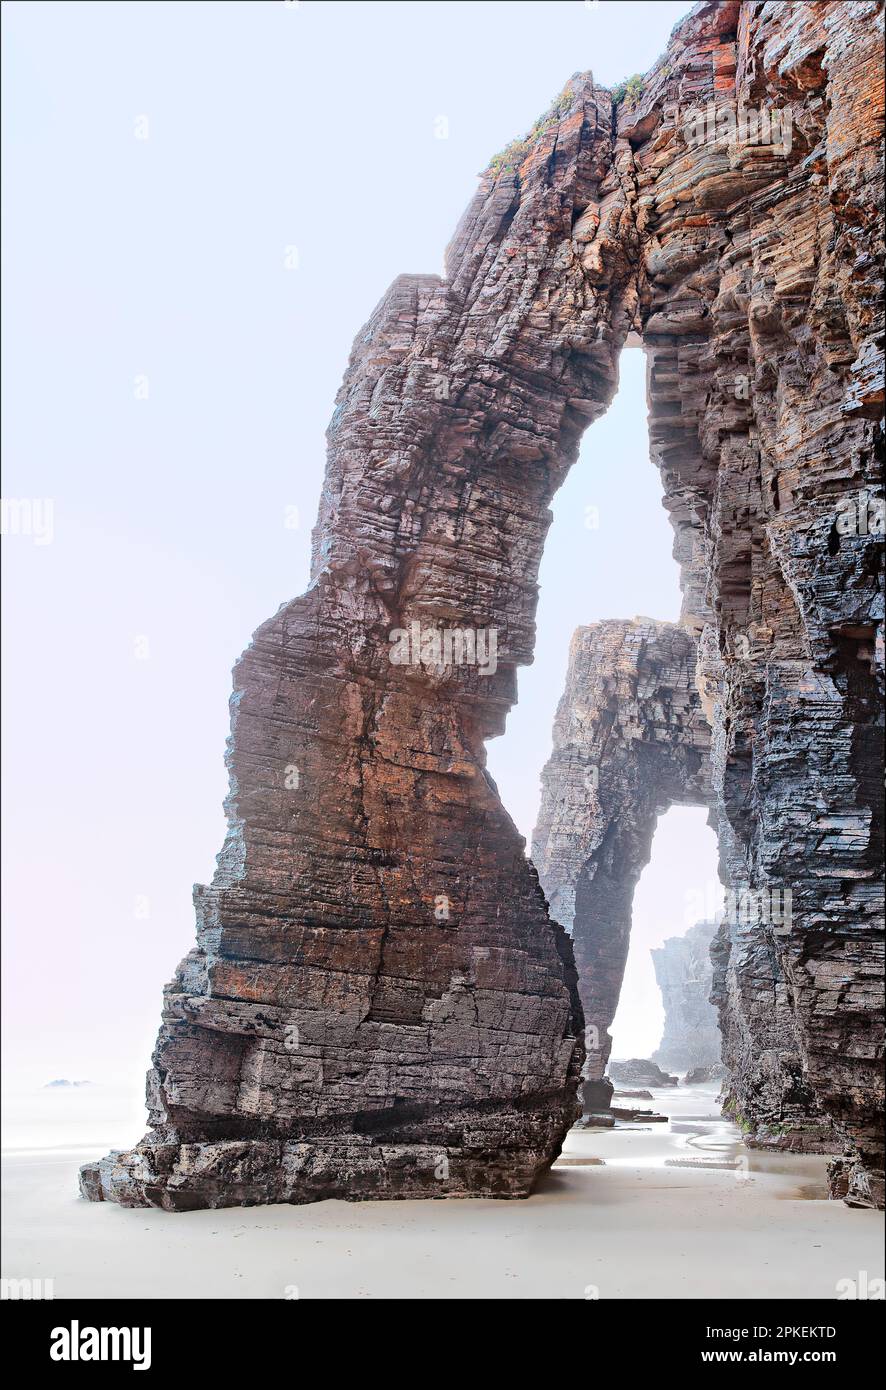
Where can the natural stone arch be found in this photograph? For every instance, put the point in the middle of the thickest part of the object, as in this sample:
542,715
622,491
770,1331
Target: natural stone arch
434,1053
630,741
331,1034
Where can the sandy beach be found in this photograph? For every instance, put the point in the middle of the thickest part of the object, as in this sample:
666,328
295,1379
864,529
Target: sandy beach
676,1210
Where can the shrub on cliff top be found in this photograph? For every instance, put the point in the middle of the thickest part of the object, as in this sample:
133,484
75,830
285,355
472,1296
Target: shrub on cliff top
509,159
628,91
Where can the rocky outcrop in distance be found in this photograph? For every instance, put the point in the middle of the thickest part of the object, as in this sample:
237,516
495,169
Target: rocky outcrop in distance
378,1002
684,972
700,1076
639,1071
630,740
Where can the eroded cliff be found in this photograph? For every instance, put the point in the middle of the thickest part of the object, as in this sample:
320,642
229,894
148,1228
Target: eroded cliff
378,1003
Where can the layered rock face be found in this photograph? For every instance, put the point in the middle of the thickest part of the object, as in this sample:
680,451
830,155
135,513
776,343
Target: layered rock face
684,972
792,538
630,740
760,225
767,1089
378,1003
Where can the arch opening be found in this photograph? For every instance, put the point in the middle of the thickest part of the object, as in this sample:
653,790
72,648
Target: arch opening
677,890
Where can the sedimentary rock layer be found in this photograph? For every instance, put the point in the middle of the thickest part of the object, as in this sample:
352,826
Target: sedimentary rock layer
378,1002
763,328
792,656
767,1089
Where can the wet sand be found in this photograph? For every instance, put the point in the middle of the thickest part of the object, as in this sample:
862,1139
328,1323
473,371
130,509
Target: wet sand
666,1211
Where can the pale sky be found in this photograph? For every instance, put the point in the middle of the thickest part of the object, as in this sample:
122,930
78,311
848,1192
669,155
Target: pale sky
168,382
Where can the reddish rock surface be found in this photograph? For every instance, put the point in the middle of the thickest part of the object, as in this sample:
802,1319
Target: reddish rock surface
333,1033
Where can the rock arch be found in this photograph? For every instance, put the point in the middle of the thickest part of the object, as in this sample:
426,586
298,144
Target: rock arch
332,1033
630,740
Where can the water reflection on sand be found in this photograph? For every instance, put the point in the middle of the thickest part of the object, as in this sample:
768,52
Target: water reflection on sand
697,1136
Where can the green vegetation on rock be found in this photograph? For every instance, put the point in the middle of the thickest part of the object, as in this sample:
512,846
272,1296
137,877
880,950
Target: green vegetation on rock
628,91
512,156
